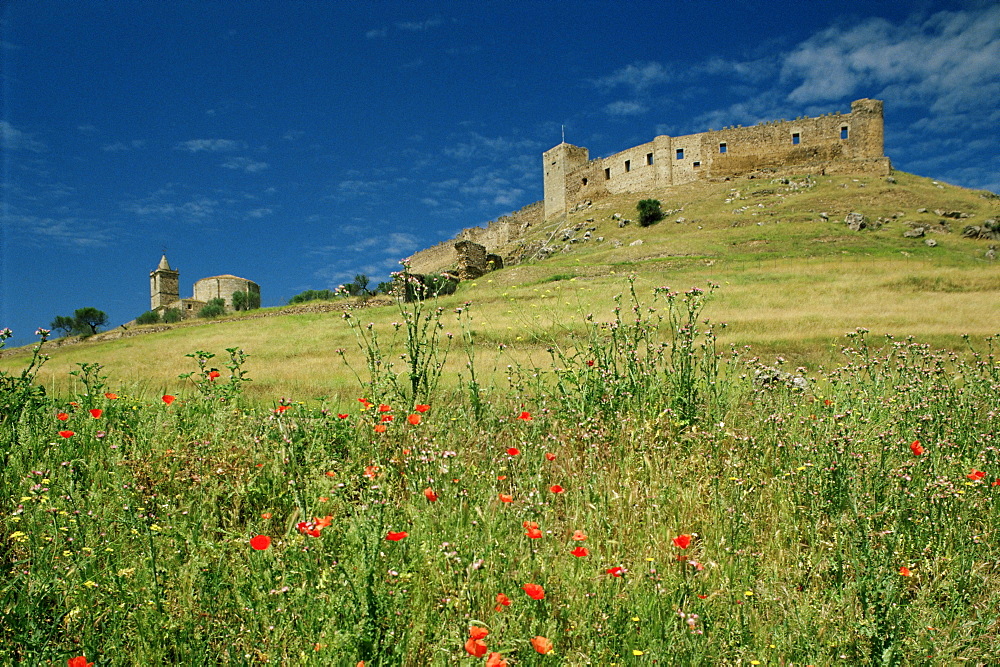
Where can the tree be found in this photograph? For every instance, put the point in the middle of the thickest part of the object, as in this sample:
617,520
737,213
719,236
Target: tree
214,308
246,300
149,317
64,324
88,320
172,315
359,287
649,212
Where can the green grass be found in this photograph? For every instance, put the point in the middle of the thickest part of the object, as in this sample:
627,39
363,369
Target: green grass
129,540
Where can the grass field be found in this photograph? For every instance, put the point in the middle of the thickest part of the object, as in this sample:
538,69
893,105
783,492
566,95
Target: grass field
575,460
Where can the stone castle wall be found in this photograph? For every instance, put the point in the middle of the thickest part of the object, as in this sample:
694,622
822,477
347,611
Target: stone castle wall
835,143
494,237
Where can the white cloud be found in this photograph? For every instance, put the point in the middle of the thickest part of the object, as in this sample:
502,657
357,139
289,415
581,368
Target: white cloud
258,213
626,108
69,231
245,164
121,146
13,139
419,26
480,148
374,34
637,76
948,61
209,145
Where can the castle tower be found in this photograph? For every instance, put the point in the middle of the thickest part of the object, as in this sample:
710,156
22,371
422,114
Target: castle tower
164,285
867,127
557,165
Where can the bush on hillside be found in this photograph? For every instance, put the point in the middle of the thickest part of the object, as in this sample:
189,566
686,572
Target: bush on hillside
649,212
149,317
246,300
313,295
214,308
172,315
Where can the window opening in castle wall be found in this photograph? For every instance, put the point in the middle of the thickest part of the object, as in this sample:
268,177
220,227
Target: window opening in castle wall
722,147
680,153
796,138
607,174
843,132
696,164
649,158
585,181
628,166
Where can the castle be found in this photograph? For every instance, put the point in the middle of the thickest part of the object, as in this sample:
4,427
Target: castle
164,290
832,143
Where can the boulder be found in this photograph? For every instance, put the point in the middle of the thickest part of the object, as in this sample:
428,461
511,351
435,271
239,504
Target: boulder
930,243
915,233
855,221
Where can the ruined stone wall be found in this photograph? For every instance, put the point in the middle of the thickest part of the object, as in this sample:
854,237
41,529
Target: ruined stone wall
496,237
839,143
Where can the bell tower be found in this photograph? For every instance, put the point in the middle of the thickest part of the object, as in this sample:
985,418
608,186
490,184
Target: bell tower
164,285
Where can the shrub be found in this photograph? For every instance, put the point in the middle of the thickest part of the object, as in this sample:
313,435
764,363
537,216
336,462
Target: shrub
246,300
649,212
149,317
312,295
214,308
172,315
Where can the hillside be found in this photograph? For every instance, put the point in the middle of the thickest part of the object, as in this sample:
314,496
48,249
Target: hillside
793,279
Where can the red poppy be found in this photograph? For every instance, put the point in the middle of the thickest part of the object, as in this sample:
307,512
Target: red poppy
534,591
590,362
504,498
579,535
476,648
386,418
406,452
260,542
324,522
430,495
549,456
168,399
501,477
495,660
916,448
534,533
110,396
555,488
702,597
478,632
67,434
281,408
905,571
384,408
371,472
413,419
396,537
615,571
96,413
976,475
525,416
62,416
364,402
502,601
308,528
340,416
214,374
330,473
381,428
580,552
827,401
266,515
996,482
542,645
513,451
422,408
683,541
79,661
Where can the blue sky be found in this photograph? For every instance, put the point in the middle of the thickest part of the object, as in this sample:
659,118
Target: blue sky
299,143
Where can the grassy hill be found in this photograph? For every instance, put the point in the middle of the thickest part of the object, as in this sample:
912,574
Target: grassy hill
793,280
590,483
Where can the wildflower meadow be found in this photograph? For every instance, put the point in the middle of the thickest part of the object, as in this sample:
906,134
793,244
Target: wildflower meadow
643,496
